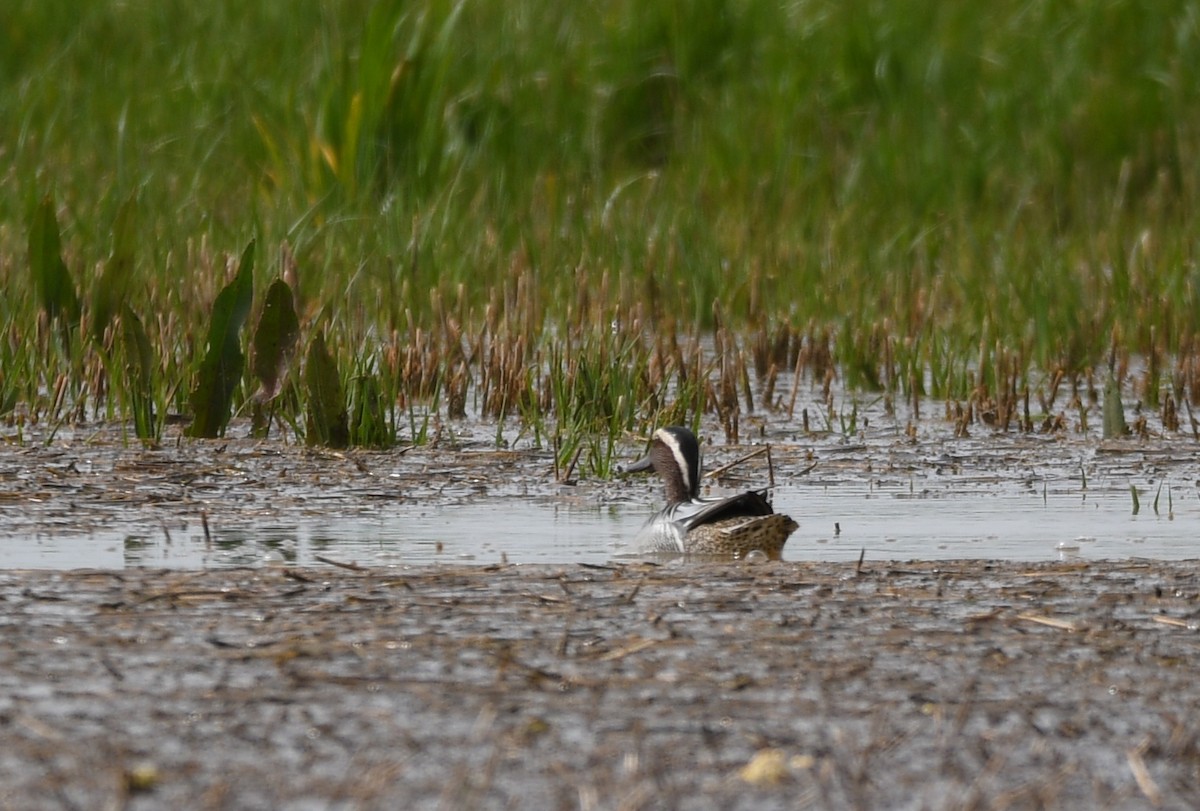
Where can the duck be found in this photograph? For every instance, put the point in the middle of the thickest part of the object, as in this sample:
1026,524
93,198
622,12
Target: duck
729,526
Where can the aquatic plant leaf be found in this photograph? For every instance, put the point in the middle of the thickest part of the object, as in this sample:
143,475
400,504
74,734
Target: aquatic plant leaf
50,274
274,340
1114,412
139,374
111,288
326,422
223,364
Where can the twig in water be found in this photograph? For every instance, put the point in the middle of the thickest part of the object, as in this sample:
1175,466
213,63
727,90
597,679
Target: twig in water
571,467
712,474
354,567
1141,774
1049,622
621,653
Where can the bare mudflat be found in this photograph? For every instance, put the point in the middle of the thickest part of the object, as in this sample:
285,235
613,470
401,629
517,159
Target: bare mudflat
789,685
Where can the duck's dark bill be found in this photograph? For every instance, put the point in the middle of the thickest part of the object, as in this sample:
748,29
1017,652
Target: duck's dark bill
637,467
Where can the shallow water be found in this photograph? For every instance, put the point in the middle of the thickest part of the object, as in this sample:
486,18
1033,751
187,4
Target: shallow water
837,524
87,498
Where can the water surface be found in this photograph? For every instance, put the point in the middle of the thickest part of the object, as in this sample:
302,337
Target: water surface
86,497
836,524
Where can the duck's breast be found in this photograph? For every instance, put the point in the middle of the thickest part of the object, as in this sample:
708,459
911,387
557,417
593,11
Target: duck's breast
660,534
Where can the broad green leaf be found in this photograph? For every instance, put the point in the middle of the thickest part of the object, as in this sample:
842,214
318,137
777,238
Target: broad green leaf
50,274
139,374
1114,411
111,289
223,364
274,339
326,422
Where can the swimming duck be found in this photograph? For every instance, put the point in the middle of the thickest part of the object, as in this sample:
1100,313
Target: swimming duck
733,525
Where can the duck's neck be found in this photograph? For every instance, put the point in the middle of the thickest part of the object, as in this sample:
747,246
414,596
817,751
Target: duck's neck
679,473
677,489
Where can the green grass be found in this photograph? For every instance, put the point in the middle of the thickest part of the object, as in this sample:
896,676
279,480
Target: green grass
958,195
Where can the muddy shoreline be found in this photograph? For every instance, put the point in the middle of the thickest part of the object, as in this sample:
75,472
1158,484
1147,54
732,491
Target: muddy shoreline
788,685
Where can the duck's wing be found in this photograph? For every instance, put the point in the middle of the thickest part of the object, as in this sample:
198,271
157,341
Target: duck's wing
705,511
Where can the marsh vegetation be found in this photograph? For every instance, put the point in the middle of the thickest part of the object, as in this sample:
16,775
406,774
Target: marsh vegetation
590,220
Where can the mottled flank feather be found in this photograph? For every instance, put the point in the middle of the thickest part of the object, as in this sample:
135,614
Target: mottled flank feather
740,536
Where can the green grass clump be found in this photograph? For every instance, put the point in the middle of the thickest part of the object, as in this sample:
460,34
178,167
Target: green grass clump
966,201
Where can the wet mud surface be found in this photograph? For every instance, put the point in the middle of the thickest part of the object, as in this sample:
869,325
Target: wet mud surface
683,685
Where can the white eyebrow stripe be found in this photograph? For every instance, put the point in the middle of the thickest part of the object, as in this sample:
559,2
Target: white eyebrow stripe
681,461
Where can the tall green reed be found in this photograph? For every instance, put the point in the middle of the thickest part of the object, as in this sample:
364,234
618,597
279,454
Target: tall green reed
963,198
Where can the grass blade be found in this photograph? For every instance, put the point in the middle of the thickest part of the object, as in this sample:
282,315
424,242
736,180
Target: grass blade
139,375
369,424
